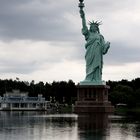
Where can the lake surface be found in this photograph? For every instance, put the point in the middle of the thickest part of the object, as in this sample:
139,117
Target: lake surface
43,126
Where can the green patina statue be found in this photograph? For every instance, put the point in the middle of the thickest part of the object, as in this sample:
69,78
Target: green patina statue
96,47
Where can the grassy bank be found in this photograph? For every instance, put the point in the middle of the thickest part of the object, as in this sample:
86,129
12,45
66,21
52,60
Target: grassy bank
127,111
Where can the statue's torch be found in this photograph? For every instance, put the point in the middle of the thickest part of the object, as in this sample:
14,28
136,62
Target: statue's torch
81,4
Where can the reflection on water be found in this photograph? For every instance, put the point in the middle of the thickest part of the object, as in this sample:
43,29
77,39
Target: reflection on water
37,126
124,128
42,126
93,126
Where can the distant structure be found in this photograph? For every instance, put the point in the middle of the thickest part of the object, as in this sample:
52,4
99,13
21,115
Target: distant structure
17,100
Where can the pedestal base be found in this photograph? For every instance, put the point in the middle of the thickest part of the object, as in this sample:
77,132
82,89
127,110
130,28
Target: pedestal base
93,99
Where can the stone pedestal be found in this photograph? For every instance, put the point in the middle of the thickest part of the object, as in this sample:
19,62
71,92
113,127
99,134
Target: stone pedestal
93,99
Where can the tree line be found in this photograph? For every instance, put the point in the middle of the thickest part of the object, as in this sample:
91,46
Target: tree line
62,91
124,91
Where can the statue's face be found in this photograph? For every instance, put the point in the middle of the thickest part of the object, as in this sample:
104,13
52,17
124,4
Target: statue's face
93,28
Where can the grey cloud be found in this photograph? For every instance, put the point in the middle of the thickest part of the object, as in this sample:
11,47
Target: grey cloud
121,53
37,20
45,19
9,66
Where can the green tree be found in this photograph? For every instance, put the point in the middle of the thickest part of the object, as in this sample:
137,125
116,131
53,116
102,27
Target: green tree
122,94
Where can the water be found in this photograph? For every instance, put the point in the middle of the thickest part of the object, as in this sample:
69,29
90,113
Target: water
42,126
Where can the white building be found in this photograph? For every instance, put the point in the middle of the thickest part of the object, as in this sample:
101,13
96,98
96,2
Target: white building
17,100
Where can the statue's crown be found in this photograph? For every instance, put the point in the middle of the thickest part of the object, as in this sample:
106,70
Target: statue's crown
96,23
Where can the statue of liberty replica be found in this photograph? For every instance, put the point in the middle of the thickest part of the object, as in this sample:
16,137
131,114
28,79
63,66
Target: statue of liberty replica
96,47
93,92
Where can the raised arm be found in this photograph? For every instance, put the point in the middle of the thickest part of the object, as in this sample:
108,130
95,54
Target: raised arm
82,14
85,31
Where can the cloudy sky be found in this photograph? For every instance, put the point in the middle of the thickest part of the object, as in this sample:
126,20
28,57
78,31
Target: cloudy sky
41,40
